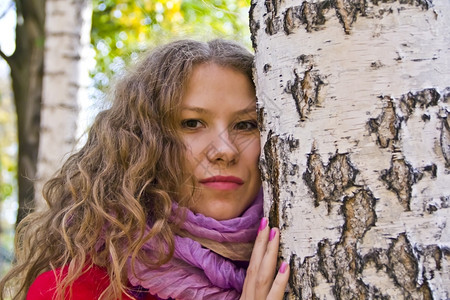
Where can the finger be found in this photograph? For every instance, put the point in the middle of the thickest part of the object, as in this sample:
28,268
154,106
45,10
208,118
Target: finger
280,283
258,251
268,265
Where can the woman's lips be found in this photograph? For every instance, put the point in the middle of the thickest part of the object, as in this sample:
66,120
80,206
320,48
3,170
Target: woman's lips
222,182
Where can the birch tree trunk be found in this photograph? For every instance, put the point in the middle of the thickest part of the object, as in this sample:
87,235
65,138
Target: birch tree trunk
353,99
67,27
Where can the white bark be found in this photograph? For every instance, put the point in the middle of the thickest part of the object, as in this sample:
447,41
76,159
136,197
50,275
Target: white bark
67,29
354,101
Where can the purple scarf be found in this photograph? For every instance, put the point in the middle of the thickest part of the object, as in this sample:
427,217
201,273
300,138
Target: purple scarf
195,272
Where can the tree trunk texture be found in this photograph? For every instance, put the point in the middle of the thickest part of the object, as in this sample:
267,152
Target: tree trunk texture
353,101
67,29
26,64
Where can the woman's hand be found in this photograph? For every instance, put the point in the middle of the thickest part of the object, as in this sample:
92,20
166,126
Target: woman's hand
260,282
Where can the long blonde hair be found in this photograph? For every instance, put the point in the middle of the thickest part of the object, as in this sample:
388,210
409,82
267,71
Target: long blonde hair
123,179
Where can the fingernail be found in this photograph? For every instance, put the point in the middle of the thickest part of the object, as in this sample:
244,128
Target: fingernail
283,267
262,225
272,234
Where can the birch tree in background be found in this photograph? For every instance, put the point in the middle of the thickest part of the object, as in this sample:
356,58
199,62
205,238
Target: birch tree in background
353,99
67,31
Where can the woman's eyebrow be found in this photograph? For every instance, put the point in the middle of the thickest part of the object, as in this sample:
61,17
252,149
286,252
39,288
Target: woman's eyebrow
201,110
195,109
247,110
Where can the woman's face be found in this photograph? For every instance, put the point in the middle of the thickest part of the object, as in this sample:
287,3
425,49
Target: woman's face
219,129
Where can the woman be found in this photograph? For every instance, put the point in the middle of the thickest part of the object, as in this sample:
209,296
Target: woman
163,201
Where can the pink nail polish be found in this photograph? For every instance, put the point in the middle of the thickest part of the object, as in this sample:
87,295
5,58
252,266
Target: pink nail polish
272,234
283,267
262,225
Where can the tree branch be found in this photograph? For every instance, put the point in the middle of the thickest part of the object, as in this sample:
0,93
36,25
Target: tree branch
6,57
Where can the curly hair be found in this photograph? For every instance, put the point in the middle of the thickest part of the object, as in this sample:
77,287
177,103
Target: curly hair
123,179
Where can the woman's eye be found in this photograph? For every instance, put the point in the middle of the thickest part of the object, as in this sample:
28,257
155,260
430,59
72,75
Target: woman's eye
191,123
246,125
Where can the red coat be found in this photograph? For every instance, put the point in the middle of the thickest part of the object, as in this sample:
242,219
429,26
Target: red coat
88,286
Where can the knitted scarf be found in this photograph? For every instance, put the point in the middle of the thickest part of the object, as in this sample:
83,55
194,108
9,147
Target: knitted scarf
196,270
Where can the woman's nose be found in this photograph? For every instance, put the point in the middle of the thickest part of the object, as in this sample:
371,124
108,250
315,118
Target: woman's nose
223,150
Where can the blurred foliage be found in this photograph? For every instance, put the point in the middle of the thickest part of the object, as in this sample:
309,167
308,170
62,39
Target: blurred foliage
8,173
121,29
8,142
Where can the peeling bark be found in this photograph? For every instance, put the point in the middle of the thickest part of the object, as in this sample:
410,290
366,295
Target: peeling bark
386,125
347,10
360,217
310,14
329,182
403,267
422,99
305,89
400,178
271,166
273,21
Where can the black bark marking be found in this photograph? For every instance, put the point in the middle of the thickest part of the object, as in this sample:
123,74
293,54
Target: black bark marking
386,126
433,256
426,117
292,19
400,178
305,91
312,14
306,279
289,144
286,209
348,284
271,165
347,10
422,99
326,260
292,142
432,169
424,4
294,283
329,182
302,278
445,201
253,24
446,95
339,263
273,6
445,140
376,65
273,25
403,269
260,118
273,20
360,216
401,264
306,59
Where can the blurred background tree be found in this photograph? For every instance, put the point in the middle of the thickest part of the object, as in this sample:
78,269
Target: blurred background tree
121,29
